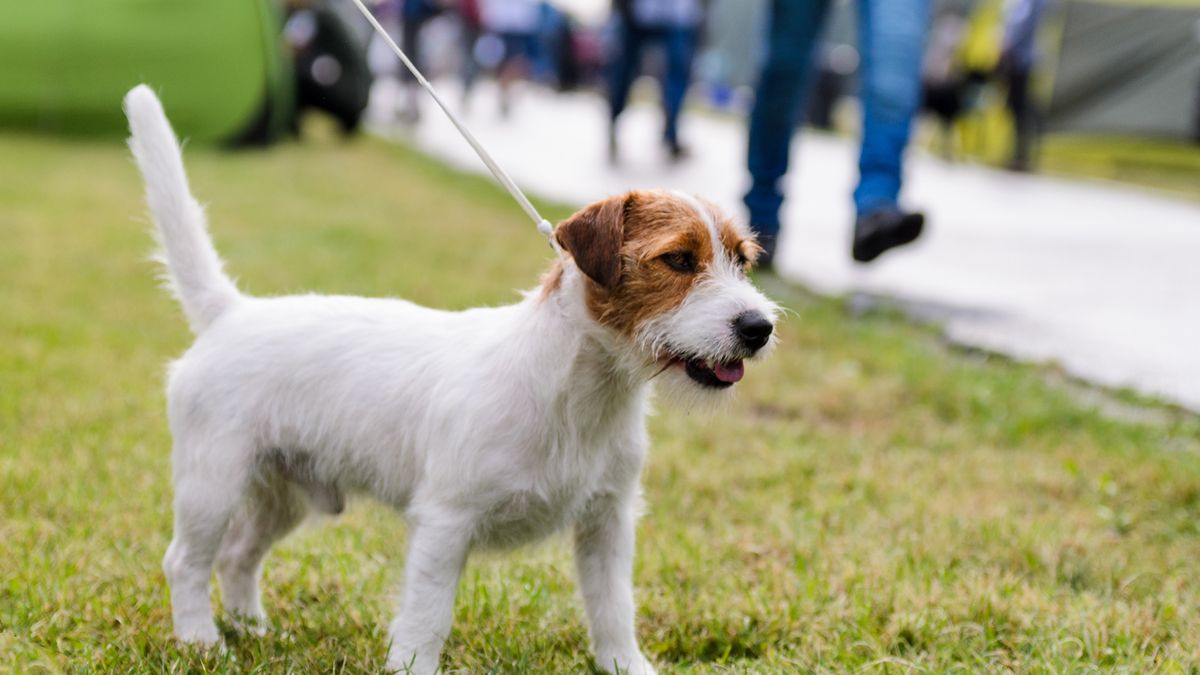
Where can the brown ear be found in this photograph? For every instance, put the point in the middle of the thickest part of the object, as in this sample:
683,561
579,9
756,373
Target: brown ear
593,237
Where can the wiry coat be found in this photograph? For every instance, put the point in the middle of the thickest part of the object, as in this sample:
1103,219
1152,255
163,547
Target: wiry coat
487,428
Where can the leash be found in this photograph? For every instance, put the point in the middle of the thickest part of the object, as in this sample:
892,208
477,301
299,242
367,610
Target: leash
543,225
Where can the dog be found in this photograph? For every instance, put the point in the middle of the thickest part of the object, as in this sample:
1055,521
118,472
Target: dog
488,428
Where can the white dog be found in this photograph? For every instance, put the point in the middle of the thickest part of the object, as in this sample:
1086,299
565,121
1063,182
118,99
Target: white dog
488,428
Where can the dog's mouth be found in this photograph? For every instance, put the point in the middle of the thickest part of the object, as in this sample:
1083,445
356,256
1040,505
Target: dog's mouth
713,374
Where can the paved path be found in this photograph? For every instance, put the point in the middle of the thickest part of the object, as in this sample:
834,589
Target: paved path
1102,279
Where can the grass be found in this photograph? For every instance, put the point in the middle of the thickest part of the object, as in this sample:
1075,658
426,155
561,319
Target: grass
872,500
1167,166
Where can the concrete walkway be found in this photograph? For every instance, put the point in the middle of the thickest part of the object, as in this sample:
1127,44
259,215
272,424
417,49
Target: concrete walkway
1102,279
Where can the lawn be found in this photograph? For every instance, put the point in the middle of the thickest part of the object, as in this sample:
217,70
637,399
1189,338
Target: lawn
1167,166
873,499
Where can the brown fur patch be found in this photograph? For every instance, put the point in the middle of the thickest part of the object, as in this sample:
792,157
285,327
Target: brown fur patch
635,284
551,280
739,244
655,224
593,237
750,250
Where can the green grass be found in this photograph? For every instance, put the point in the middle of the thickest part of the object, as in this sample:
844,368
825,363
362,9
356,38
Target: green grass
1163,165
1169,166
872,500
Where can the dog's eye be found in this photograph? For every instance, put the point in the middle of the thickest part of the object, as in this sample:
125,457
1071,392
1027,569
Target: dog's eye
680,261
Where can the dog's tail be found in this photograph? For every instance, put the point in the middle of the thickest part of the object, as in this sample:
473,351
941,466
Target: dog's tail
194,271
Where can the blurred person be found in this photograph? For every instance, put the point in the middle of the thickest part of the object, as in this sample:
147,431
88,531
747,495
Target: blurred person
414,14
554,54
891,42
675,26
1196,114
950,88
470,27
1018,56
329,63
941,76
516,24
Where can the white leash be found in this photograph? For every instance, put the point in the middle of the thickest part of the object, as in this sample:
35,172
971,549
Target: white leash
543,225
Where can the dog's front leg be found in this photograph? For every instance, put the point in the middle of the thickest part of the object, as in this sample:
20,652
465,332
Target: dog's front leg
604,557
437,550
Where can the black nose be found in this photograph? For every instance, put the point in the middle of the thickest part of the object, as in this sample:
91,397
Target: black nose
753,329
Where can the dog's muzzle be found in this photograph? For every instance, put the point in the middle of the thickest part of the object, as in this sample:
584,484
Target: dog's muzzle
753,331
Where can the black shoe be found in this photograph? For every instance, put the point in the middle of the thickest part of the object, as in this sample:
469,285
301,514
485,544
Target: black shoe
1019,165
676,151
884,229
766,259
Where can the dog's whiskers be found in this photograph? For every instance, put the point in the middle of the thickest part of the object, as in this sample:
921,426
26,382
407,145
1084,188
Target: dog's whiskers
660,371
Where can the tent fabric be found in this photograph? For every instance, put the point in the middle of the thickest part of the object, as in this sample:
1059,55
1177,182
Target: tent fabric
218,65
1116,66
1128,69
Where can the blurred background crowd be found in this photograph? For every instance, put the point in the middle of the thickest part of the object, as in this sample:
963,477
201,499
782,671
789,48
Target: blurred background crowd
561,91
988,78
993,73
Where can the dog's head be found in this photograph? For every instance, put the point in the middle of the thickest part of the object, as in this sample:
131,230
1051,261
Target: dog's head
666,272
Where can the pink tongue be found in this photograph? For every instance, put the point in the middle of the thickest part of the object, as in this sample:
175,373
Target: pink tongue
729,372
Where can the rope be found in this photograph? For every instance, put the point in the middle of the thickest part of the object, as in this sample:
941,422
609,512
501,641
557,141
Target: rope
543,225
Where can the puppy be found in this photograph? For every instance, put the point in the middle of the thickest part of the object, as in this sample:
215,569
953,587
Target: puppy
487,428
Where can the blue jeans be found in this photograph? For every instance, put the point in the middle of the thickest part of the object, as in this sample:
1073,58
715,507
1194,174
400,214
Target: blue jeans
679,44
891,46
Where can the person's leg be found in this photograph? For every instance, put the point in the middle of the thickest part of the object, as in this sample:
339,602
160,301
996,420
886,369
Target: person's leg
626,60
791,35
892,43
1023,121
410,42
622,70
892,40
410,38
680,46
469,70
1196,115
518,56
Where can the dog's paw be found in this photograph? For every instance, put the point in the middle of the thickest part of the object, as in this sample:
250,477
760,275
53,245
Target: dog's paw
250,624
406,661
203,634
625,664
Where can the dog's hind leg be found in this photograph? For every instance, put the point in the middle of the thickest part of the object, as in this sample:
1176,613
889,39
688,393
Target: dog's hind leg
271,510
206,496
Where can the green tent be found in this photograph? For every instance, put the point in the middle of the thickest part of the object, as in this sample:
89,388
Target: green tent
219,66
1128,67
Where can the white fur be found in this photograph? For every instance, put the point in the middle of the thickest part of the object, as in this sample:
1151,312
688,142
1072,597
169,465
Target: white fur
487,428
